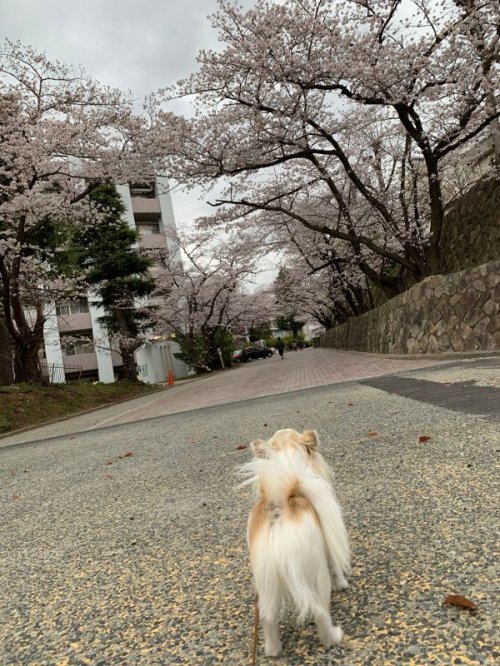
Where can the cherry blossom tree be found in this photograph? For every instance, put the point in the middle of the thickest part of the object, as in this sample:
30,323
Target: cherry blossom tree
343,117
320,279
203,300
61,135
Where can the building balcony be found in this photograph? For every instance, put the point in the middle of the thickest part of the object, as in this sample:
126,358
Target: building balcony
74,322
85,362
145,207
152,241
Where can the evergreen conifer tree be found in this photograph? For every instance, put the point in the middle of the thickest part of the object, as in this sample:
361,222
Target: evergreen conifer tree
119,274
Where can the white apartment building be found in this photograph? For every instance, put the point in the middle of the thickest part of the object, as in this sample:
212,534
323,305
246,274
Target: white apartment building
87,353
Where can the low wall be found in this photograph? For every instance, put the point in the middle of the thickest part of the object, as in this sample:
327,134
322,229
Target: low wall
456,312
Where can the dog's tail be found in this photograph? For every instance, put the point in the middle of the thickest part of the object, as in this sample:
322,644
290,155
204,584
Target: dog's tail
295,531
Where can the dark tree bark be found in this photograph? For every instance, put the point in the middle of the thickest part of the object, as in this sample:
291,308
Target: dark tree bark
6,366
26,360
129,367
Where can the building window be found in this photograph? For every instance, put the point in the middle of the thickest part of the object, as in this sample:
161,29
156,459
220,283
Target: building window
71,308
79,343
146,228
143,190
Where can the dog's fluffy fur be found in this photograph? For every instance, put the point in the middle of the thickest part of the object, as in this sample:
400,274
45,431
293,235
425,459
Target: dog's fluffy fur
296,536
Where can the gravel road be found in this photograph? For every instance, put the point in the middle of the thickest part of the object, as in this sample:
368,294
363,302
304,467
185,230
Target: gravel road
126,545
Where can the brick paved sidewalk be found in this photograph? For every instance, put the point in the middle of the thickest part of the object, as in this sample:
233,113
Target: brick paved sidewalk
299,370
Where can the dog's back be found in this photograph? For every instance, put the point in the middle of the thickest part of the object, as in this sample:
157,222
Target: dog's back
296,536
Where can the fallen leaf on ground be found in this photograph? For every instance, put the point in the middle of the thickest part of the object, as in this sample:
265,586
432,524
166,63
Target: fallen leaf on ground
15,497
424,438
108,476
110,462
460,601
240,447
373,433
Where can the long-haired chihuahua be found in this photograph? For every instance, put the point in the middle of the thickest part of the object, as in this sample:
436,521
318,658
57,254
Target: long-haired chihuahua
296,536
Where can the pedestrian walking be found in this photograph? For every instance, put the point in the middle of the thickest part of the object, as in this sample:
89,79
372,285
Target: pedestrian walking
280,346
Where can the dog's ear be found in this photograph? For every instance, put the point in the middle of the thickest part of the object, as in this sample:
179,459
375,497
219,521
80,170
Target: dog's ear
310,440
258,448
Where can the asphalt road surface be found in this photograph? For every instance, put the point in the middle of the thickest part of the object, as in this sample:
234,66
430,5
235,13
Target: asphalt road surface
126,545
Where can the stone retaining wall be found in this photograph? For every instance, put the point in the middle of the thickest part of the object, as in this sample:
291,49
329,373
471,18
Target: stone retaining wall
471,228
456,312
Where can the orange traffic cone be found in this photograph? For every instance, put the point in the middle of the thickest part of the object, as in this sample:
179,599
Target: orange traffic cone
170,378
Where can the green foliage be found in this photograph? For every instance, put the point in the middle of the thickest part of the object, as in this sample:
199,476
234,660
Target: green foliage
289,323
200,352
223,340
193,351
115,267
260,332
52,242
107,250
288,340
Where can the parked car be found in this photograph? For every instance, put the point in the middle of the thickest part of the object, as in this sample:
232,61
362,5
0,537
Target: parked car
251,353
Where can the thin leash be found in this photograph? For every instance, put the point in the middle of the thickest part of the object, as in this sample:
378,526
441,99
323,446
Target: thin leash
255,631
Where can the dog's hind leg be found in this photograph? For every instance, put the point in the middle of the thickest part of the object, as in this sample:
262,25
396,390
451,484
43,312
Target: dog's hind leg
272,643
270,625
339,581
327,632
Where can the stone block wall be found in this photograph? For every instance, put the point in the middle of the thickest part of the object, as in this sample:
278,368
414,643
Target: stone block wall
456,312
471,228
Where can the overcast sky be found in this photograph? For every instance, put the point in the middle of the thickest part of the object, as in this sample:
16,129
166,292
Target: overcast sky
137,45
131,44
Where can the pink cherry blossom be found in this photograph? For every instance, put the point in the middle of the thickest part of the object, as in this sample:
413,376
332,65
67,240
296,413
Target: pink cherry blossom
62,134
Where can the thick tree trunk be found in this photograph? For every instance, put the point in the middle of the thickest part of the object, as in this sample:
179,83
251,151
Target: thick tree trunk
433,256
129,367
6,366
26,337
213,358
27,361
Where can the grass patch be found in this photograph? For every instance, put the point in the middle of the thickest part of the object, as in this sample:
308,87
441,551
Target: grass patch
23,405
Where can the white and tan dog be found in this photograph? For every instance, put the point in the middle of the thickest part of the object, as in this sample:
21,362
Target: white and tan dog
296,535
